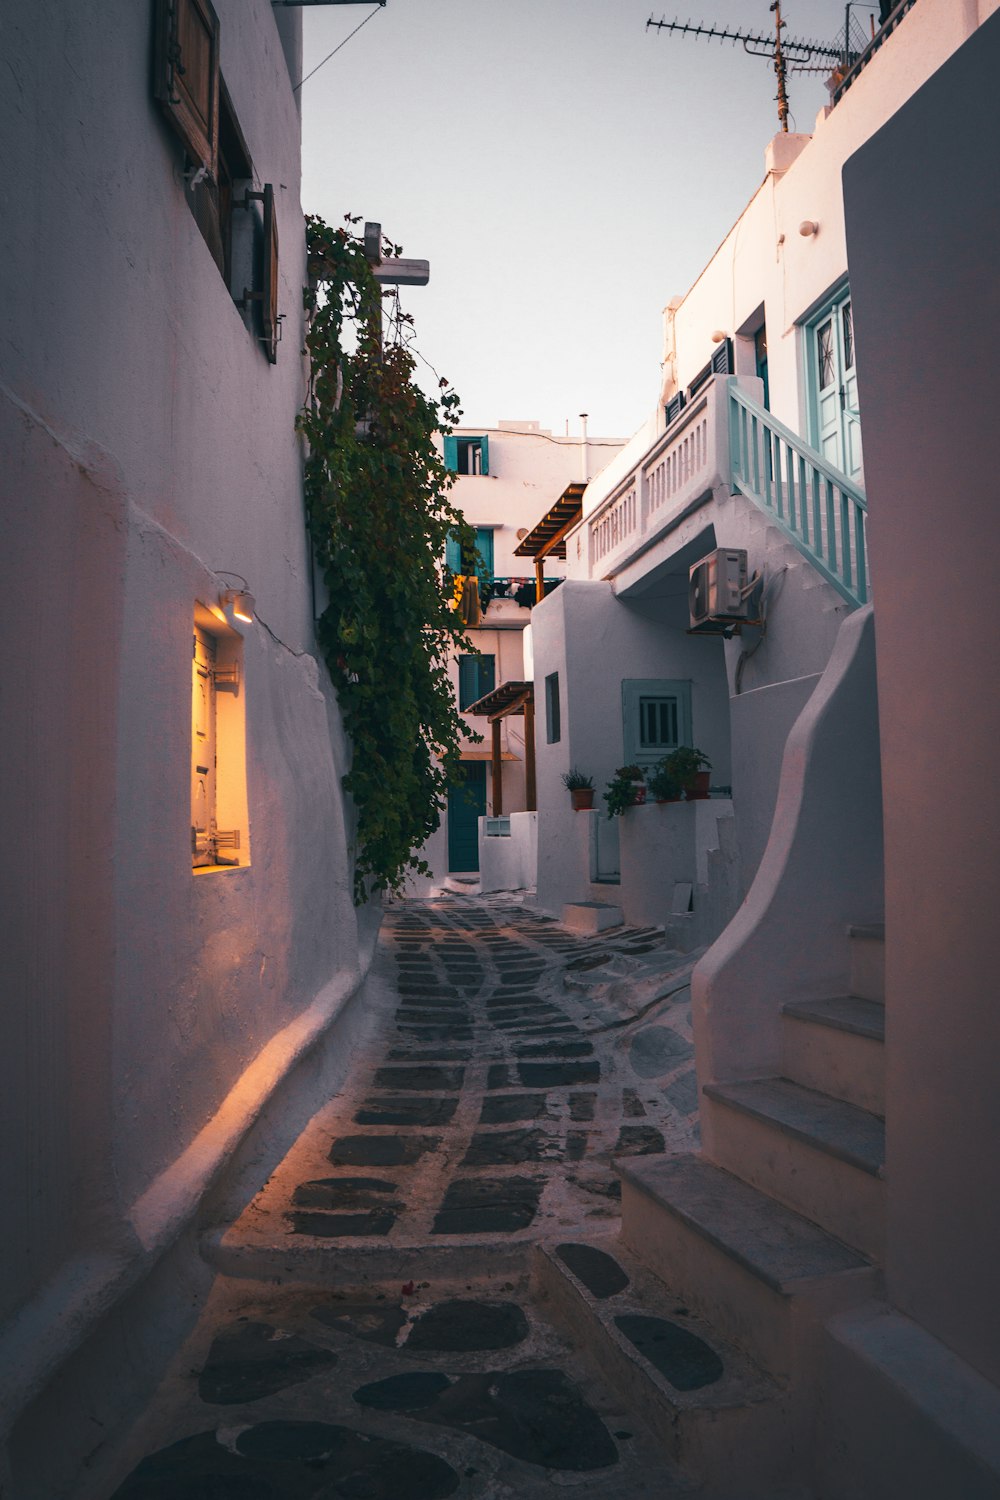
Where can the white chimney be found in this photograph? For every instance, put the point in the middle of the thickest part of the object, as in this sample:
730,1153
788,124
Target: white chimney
584,449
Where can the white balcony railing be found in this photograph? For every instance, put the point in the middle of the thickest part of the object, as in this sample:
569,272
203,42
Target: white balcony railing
682,466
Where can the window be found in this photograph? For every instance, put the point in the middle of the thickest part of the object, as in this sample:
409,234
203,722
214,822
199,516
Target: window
476,677
456,563
553,728
219,824
656,718
464,455
219,176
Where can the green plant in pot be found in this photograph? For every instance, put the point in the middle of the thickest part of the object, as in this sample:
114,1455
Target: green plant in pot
625,789
690,767
664,782
580,788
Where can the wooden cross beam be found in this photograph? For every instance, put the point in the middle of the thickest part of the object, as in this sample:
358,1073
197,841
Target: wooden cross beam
393,272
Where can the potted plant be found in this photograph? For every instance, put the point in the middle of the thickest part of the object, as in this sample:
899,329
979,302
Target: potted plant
625,789
581,789
690,767
664,783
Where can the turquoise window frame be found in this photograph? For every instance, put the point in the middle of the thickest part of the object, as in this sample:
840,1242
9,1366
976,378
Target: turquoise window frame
484,546
451,454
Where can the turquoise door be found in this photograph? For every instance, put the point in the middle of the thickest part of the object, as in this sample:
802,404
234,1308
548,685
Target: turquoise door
466,805
834,387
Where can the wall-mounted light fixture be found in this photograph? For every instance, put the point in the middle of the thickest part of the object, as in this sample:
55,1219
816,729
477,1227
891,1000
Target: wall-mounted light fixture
808,227
240,601
718,335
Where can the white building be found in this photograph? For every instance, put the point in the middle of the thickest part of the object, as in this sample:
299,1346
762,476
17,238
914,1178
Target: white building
507,476
840,1223
758,355
179,928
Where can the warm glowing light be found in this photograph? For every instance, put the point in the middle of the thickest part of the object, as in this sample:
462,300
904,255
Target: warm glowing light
243,606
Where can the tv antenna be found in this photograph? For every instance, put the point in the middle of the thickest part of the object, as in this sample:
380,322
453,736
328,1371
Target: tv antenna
788,54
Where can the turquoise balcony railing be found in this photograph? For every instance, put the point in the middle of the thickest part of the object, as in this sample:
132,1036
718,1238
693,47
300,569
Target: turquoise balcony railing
818,508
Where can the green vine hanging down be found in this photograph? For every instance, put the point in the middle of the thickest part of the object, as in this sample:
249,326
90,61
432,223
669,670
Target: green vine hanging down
379,516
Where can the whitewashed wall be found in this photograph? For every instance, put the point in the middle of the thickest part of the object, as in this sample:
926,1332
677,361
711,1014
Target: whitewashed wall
148,443
915,193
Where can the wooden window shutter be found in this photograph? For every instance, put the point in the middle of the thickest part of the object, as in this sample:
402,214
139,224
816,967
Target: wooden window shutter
484,451
452,553
186,75
451,456
269,303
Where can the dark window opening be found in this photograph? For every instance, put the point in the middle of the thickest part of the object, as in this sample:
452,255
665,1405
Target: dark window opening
658,723
467,455
553,726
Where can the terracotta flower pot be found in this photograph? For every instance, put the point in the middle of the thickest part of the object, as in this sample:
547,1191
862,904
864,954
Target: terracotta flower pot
582,798
699,791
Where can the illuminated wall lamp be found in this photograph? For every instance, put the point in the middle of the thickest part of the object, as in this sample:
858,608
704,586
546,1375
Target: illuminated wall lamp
807,228
240,601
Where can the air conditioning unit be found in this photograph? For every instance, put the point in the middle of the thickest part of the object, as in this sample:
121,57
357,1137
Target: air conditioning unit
717,592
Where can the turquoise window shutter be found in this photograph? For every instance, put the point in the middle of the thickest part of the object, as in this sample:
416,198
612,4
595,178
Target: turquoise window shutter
487,674
484,544
468,680
484,446
451,454
453,555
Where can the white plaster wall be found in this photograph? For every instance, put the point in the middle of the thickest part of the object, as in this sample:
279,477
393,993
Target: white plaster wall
509,863
761,721
148,443
663,845
916,200
563,859
822,870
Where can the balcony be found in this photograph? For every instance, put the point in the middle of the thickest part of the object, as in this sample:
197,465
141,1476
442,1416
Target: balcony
725,443
679,472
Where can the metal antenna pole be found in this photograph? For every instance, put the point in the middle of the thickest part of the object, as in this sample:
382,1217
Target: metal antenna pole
779,67
783,52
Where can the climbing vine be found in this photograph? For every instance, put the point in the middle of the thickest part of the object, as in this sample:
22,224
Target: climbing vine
379,516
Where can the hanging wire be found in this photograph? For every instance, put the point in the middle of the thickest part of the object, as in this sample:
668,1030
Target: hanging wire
336,49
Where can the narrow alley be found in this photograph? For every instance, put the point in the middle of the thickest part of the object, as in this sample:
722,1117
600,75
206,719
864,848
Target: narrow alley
420,1301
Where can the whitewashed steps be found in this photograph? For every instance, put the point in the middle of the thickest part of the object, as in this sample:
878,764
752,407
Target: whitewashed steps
760,1274
732,1425
867,940
817,1155
836,1047
592,916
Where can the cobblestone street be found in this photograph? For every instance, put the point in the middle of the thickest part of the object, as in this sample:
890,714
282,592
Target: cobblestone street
382,1323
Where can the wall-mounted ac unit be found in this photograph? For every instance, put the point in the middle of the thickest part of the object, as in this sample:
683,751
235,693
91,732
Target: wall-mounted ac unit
717,591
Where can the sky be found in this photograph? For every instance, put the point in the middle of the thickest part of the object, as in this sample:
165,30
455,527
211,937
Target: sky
564,170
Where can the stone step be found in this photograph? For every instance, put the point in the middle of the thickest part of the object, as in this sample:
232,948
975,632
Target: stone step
761,1274
836,1047
905,1412
867,940
814,1153
718,1417
592,916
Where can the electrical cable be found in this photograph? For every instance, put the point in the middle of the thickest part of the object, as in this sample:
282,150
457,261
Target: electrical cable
336,49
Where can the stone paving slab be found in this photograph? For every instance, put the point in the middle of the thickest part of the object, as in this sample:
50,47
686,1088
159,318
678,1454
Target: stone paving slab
498,1084
413,1392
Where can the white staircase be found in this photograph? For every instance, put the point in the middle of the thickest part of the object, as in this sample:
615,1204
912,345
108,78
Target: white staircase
761,1246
